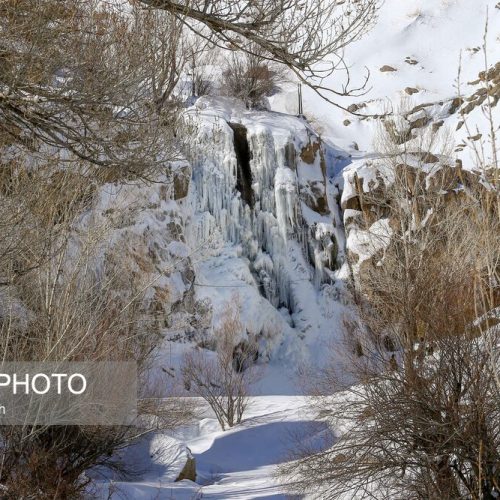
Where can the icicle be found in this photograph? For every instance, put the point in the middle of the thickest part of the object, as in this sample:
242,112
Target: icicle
285,189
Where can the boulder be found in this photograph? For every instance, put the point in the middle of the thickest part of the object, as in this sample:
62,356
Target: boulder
189,469
182,178
418,119
437,125
411,61
356,107
308,153
314,196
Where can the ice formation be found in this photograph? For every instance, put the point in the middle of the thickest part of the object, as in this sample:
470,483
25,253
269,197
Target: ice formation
284,182
265,221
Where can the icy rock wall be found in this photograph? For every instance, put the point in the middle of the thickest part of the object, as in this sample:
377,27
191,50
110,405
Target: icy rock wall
287,200
145,245
370,224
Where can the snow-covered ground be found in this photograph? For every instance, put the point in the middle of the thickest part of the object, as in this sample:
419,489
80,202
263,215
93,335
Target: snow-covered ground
421,41
236,464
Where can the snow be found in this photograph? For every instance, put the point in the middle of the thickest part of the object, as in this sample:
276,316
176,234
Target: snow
178,249
236,464
417,116
365,244
437,34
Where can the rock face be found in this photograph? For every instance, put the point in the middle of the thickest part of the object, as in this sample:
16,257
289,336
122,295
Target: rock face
181,173
406,127
367,216
145,244
189,470
313,190
255,186
489,85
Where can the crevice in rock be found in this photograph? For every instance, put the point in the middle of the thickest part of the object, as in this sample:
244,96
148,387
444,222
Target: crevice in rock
243,157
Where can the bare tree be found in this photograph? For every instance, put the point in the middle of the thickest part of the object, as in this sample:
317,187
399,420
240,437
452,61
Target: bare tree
307,37
73,307
88,81
427,430
222,378
85,98
486,153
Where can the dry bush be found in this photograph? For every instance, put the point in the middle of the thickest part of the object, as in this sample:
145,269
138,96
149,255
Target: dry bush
223,378
427,428
486,154
86,96
251,78
66,308
202,67
55,306
432,226
37,206
85,92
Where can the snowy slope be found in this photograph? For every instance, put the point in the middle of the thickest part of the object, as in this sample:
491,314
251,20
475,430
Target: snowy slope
423,41
236,464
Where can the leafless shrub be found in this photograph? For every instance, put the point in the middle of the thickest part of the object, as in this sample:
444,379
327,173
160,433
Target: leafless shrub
428,429
61,308
50,459
251,78
222,378
202,67
486,154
